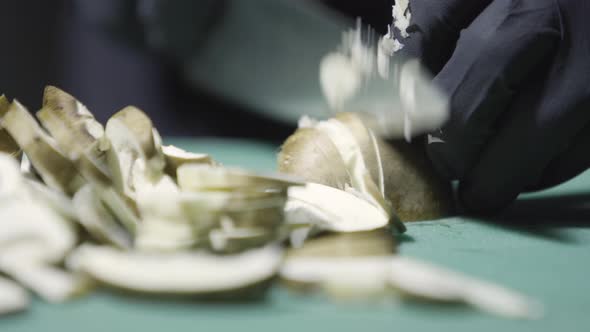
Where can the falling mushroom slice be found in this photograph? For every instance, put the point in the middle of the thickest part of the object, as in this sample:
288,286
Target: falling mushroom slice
7,143
13,298
176,156
196,177
422,280
332,209
97,220
188,273
57,171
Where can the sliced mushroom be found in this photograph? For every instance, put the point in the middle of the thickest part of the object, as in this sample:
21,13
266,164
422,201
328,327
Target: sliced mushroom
366,251
131,137
425,281
71,124
13,298
408,177
97,220
340,277
56,170
197,177
175,157
332,209
358,179
180,273
58,201
50,283
310,154
7,143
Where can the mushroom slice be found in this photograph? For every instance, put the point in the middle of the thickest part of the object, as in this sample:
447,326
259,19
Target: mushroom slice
359,244
364,253
97,220
131,137
71,124
57,171
425,281
228,238
197,177
119,205
340,277
332,209
59,202
402,171
7,143
38,231
51,284
76,132
11,180
310,153
165,235
180,273
352,161
13,298
176,156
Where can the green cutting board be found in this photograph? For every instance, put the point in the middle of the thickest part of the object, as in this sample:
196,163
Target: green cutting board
542,249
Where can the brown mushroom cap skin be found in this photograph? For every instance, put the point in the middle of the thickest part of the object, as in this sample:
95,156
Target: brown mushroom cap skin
411,184
311,155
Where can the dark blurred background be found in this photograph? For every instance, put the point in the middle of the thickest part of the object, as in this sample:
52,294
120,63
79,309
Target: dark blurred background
57,42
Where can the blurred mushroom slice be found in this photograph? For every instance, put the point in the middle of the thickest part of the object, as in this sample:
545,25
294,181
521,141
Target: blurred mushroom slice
165,225
340,277
359,244
97,220
81,144
13,298
7,143
35,232
50,283
310,153
238,210
164,235
59,202
57,171
425,281
230,239
176,156
119,205
180,273
197,177
340,252
131,137
71,124
332,209
11,180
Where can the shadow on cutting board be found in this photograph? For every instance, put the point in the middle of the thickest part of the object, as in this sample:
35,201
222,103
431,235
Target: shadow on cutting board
546,217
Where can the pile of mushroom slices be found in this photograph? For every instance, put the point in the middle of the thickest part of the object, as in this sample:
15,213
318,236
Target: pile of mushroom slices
84,205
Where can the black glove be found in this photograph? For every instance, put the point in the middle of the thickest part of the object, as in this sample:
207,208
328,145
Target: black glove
518,76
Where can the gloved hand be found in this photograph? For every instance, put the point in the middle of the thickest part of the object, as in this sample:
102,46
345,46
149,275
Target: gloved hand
518,76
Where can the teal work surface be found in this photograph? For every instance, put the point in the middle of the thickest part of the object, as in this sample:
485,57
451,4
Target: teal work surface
541,247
